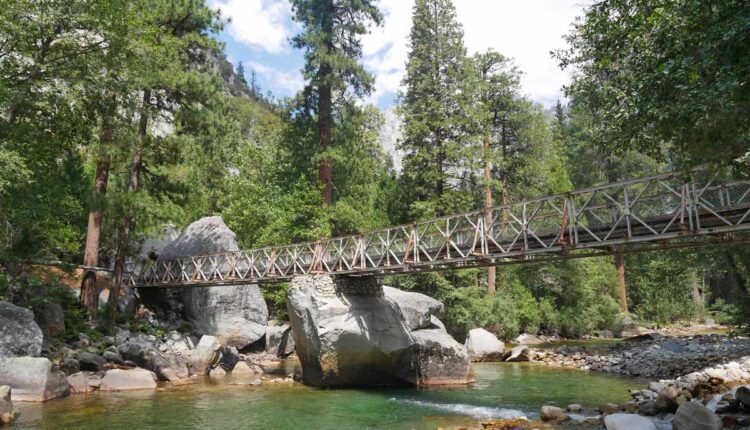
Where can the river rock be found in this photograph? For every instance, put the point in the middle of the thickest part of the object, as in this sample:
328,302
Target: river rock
141,351
51,319
553,413
6,405
694,416
205,356
79,383
131,379
90,361
743,395
242,368
235,314
20,335
628,422
347,332
32,379
666,401
482,345
518,353
417,308
279,340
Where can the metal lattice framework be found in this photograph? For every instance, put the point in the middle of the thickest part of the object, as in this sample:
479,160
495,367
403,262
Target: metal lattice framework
657,211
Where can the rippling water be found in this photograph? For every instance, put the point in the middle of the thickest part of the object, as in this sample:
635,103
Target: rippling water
502,390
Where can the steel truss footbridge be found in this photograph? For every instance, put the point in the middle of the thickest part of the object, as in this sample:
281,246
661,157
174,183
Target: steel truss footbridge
662,211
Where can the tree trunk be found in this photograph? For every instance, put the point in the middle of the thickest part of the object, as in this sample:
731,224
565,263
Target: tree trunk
127,223
620,266
491,270
88,298
325,171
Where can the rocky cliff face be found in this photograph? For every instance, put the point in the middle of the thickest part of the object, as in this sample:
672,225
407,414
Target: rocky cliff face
352,332
390,134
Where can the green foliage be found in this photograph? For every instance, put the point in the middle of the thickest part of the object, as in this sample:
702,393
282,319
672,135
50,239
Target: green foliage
675,73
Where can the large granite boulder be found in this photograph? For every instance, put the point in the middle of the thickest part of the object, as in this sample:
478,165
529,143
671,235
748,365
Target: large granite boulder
694,416
482,345
235,314
20,335
348,332
32,379
143,352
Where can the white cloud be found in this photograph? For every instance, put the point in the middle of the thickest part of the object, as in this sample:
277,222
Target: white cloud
259,24
524,30
281,82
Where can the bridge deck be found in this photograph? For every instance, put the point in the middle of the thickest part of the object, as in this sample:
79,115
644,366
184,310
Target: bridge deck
660,210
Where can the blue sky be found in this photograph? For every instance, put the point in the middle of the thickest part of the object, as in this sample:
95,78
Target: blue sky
527,30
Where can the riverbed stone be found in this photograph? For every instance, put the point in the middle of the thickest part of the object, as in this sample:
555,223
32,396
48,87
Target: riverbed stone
553,413
743,395
517,353
205,356
90,361
482,345
235,314
32,379
142,351
347,332
694,416
130,379
628,422
20,335
666,400
79,383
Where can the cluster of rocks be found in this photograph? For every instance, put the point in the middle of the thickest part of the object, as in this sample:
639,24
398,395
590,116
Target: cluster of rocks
650,356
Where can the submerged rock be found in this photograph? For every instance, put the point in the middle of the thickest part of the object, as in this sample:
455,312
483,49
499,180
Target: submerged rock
235,314
32,379
553,413
348,332
20,335
482,345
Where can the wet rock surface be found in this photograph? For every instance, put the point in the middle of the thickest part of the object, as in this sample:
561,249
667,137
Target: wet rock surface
32,379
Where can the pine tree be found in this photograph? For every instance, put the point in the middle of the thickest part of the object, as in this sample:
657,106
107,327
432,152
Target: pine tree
437,109
240,72
331,40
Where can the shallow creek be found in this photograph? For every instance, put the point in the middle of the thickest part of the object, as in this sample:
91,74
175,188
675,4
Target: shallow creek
502,390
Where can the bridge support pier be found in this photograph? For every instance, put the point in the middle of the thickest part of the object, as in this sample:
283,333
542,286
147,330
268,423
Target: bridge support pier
622,286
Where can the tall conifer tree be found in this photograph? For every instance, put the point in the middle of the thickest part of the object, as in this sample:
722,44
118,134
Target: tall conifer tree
436,107
331,41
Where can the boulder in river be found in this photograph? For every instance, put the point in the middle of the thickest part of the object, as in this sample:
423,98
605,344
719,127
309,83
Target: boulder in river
694,416
131,379
350,332
205,356
628,422
553,413
517,353
32,379
235,314
416,308
482,345
20,335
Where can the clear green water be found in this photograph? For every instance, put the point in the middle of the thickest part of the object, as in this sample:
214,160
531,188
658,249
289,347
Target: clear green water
502,390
